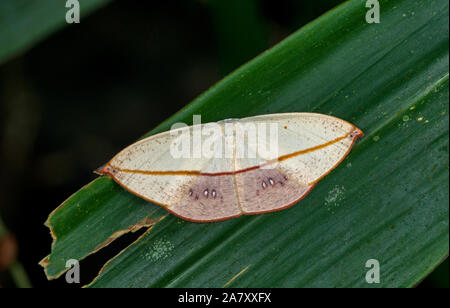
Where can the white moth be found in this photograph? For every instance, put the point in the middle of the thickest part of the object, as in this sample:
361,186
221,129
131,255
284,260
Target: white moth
236,167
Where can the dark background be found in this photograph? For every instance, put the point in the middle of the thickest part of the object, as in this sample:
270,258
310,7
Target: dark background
81,95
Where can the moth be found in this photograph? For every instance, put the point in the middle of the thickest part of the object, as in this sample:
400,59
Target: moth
216,171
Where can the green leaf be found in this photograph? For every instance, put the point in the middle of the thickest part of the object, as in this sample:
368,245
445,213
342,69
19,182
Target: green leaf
388,200
22,23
